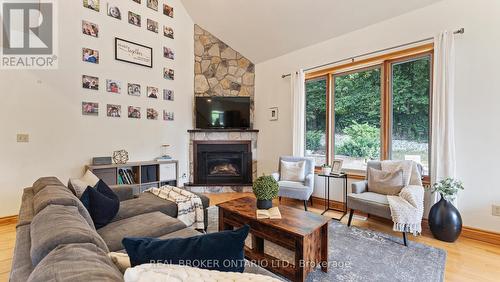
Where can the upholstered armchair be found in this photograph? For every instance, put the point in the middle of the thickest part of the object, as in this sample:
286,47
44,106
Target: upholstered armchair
361,199
293,189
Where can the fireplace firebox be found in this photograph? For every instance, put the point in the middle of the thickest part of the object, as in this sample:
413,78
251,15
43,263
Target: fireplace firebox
222,162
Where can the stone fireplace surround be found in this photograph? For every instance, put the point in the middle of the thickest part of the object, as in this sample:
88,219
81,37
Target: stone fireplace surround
218,135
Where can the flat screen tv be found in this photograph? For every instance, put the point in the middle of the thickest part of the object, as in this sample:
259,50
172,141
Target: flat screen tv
222,112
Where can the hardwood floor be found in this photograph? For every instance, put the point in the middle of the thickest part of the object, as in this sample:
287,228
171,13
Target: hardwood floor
467,259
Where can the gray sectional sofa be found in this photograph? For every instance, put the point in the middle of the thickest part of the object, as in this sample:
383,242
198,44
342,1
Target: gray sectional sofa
56,239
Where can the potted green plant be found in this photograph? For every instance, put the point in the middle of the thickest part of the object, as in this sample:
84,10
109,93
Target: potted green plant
445,221
326,169
265,189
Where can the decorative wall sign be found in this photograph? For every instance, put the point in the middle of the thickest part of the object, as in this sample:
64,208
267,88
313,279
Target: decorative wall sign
130,52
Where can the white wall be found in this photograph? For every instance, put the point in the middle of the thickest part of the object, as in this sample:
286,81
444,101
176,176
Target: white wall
47,104
477,99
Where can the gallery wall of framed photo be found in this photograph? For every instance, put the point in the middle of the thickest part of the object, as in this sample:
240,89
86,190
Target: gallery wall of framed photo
47,104
152,98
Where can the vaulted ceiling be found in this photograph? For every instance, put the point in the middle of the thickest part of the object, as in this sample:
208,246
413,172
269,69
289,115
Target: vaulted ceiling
265,29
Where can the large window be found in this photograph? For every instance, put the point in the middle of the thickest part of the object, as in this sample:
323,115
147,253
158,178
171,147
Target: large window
410,93
375,109
316,106
357,117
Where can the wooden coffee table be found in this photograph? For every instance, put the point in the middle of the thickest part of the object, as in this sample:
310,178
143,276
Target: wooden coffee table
304,233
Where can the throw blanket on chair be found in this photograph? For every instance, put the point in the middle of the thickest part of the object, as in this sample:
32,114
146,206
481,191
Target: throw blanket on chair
189,206
407,209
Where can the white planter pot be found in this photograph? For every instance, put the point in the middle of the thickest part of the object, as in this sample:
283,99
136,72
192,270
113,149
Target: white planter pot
326,170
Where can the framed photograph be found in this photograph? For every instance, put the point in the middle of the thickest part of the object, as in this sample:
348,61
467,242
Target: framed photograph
168,53
90,55
152,4
151,114
91,4
168,10
114,110
134,19
90,109
169,116
90,82
168,74
152,25
113,86
337,166
137,1
134,89
130,52
273,113
168,95
168,32
152,92
90,29
114,12
134,112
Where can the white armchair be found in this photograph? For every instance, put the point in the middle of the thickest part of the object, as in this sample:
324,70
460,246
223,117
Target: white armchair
297,190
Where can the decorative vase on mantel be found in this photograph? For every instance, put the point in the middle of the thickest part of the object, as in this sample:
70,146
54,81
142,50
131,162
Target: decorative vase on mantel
445,221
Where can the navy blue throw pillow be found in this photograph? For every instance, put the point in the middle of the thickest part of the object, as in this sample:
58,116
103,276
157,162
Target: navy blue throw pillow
101,202
222,251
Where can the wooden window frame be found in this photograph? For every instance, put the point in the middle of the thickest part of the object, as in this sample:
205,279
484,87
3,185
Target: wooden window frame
385,62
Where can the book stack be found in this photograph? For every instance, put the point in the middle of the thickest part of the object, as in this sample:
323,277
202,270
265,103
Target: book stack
125,176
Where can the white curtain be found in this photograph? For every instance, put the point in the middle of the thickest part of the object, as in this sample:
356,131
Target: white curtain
443,122
298,112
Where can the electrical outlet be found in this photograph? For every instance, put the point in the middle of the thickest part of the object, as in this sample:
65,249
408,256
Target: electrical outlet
495,210
23,138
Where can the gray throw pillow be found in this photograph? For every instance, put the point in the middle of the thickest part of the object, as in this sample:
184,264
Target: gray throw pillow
57,225
385,183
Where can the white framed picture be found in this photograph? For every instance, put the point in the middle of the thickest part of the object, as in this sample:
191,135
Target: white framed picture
130,52
273,113
337,166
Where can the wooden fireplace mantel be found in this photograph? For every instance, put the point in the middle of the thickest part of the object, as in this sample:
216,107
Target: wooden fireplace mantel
223,130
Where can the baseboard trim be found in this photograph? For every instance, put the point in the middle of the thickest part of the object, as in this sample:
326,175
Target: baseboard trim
481,235
333,204
8,220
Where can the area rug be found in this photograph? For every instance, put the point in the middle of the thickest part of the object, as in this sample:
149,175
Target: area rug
357,254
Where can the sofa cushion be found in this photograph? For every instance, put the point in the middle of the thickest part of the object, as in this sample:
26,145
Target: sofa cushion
385,182
147,202
59,195
295,190
41,183
79,185
371,203
293,171
76,262
22,265
153,224
56,225
101,202
26,212
223,249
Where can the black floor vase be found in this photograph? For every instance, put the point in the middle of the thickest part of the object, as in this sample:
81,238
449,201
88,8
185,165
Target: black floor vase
445,221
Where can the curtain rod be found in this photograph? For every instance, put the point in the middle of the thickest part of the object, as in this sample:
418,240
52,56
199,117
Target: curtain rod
460,31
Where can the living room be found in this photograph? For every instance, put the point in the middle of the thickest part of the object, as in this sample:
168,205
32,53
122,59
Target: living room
321,107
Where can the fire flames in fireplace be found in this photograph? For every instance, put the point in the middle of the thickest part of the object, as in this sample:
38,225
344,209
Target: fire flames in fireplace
224,169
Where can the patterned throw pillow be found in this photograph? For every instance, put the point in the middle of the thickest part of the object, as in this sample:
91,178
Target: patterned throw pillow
78,185
293,171
385,183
